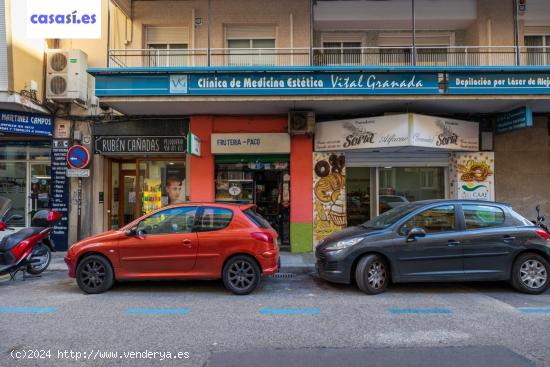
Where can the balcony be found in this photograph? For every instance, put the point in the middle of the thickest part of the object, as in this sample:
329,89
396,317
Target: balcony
319,56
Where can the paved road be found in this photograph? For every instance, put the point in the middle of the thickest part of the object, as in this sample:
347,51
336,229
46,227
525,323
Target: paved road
299,321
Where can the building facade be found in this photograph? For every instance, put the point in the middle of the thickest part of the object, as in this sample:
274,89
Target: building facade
324,114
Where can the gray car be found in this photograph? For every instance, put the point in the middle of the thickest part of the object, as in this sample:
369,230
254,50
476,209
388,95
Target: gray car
439,240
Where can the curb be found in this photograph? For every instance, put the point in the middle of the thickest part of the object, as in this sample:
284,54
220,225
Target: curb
304,269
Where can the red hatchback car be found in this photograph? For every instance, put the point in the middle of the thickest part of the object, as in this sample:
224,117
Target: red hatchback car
185,241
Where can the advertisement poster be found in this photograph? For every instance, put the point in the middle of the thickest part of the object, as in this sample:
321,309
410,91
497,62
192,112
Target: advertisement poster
473,176
329,195
174,184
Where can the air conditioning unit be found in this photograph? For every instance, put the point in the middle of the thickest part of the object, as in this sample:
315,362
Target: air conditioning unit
301,122
66,79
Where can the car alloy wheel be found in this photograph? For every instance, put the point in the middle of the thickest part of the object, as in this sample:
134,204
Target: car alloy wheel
241,275
377,275
372,274
533,274
94,274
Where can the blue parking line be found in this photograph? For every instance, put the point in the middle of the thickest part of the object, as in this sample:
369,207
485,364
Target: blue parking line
534,310
28,309
420,311
158,311
290,311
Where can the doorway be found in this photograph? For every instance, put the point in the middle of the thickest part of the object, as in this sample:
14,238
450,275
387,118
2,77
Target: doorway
264,181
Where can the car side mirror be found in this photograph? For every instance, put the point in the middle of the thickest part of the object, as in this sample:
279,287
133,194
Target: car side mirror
414,233
131,232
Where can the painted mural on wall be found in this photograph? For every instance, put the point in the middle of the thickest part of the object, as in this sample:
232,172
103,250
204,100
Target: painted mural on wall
472,176
329,195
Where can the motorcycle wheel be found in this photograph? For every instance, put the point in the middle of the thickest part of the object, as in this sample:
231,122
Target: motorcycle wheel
45,259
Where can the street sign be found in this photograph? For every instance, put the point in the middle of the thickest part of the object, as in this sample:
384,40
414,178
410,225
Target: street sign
78,172
78,156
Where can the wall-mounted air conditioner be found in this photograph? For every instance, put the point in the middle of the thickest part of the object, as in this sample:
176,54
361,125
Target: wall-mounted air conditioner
66,78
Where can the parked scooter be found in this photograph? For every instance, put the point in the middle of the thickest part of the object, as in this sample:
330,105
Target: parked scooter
28,249
540,220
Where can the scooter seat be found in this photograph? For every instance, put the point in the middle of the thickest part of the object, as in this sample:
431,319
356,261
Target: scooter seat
13,239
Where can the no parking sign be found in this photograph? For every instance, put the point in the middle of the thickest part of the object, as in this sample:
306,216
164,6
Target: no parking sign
78,157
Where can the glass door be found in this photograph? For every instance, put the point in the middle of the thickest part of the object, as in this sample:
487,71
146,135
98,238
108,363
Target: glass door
40,187
127,211
13,189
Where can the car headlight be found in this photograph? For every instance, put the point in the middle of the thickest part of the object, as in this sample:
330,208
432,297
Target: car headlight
344,243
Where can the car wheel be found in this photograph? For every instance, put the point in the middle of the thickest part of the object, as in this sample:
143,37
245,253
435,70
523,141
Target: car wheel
94,274
372,274
530,274
241,275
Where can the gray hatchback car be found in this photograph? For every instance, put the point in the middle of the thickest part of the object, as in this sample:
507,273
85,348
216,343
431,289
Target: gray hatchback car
439,240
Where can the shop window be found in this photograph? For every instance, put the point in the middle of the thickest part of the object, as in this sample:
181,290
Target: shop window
170,221
161,183
214,219
482,216
13,189
13,152
436,220
400,185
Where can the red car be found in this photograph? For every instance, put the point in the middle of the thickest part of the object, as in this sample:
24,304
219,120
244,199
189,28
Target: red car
185,241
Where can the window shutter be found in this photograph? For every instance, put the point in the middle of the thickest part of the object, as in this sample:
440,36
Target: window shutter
236,32
164,35
398,39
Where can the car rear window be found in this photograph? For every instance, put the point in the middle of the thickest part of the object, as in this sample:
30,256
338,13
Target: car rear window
257,219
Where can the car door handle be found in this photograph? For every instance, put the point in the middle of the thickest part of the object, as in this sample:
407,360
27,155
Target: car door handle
187,243
508,238
452,243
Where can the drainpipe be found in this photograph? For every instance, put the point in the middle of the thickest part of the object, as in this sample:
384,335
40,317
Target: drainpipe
311,18
414,33
516,31
209,29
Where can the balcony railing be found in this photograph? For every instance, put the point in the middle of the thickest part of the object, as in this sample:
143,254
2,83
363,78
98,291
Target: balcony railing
318,56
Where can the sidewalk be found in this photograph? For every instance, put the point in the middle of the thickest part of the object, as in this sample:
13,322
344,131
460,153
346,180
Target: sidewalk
290,263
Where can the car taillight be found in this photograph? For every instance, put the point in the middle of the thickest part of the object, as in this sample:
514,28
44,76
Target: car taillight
20,249
543,234
262,236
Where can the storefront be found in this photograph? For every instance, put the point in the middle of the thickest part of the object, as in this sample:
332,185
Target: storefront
25,163
145,166
364,167
254,168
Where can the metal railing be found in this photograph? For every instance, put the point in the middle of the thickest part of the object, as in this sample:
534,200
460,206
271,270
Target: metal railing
324,56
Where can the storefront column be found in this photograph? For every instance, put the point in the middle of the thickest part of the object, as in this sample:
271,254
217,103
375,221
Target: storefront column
301,204
202,168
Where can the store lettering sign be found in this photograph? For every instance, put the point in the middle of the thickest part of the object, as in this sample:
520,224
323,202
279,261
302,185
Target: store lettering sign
499,83
394,131
519,118
261,143
280,83
25,123
140,145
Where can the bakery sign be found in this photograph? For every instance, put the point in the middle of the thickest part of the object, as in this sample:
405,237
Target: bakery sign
395,131
140,144
250,143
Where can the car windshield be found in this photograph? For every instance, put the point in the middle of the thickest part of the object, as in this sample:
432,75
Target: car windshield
390,217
